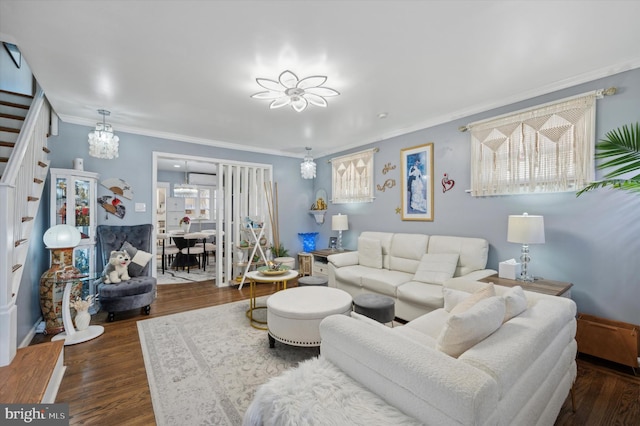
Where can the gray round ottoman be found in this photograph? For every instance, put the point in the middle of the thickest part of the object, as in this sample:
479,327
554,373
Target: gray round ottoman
311,280
376,306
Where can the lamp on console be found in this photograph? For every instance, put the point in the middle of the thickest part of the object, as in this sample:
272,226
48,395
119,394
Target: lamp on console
525,229
340,222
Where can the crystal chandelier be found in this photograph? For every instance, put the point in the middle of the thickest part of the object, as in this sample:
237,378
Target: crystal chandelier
289,90
185,190
308,166
102,142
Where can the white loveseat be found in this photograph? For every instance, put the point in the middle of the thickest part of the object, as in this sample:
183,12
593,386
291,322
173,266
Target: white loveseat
410,268
367,373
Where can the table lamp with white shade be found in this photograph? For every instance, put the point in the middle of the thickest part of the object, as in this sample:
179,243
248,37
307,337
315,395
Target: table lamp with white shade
340,222
525,229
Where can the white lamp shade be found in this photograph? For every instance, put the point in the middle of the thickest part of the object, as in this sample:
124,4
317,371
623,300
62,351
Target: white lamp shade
526,229
62,236
340,222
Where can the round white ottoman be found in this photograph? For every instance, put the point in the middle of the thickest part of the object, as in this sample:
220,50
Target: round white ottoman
294,315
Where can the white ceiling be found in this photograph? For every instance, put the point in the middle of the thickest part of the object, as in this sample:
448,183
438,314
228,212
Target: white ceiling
185,70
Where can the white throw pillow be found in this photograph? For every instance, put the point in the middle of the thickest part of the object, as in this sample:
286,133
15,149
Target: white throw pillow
139,259
370,252
515,302
453,297
436,268
480,294
467,329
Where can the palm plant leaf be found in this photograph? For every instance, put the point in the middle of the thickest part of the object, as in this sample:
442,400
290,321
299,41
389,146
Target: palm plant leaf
622,149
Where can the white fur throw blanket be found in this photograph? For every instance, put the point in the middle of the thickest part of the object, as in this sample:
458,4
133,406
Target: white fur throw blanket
318,393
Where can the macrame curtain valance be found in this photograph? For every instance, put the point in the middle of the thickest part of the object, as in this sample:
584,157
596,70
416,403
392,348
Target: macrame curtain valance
548,148
353,177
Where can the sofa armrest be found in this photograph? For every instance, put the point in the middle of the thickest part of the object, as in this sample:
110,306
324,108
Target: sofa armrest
420,381
340,260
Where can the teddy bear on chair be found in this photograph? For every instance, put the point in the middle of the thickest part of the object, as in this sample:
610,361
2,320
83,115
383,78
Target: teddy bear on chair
117,268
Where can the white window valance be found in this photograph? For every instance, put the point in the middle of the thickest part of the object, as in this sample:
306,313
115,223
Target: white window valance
549,148
352,178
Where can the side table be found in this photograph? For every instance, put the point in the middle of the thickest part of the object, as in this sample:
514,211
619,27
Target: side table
71,336
320,263
258,277
553,288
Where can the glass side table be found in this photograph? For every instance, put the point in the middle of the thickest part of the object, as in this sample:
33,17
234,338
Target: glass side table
71,336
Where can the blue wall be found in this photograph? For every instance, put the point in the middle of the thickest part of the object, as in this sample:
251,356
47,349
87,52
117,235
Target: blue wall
591,241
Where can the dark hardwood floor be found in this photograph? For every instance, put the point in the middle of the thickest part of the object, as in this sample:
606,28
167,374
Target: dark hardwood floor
106,382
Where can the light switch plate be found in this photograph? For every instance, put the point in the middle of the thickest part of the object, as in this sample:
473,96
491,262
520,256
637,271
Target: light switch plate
141,207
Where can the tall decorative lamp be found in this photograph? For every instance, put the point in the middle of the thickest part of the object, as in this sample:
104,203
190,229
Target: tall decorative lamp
340,222
525,229
60,239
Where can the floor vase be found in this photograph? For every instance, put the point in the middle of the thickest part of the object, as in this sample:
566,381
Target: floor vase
52,288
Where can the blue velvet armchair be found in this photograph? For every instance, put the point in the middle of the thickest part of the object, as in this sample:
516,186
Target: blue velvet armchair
140,290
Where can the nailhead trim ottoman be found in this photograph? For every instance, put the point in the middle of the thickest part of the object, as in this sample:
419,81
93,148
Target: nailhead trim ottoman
294,315
376,306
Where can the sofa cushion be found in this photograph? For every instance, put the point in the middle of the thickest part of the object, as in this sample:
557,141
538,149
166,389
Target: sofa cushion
515,302
452,297
383,281
436,268
464,330
421,294
482,293
406,251
385,244
430,324
369,252
473,251
352,274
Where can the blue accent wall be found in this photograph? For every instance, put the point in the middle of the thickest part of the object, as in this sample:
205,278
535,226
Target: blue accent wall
592,241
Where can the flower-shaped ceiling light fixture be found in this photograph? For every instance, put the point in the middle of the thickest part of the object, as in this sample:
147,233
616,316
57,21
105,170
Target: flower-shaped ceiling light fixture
289,90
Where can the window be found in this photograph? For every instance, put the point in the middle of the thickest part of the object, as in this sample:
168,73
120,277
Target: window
549,148
352,178
200,204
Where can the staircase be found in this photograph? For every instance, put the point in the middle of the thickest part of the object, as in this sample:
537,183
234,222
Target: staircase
24,164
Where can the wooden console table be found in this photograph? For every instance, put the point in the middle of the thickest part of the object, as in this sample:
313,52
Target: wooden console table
553,288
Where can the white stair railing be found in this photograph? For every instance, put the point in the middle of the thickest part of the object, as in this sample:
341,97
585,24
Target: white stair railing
21,188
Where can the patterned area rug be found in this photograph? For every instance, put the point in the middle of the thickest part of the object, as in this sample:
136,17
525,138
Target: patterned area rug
204,366
181,277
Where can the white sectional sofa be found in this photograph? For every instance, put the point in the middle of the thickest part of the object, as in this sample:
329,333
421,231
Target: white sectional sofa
410,268
367,373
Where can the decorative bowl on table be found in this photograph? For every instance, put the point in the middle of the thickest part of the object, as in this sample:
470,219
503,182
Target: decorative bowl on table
272,268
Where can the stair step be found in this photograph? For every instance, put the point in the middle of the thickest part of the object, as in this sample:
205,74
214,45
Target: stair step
16,267
41,164
15,99
14,109
9,129
28,378
27,219
20,242
36,180
8,144
4,159
11,116
45,149
31,198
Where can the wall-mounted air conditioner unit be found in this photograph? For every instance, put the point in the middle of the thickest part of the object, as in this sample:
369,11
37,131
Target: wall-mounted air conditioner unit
202,179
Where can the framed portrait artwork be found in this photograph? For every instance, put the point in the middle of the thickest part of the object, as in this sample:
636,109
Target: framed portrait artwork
417,182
